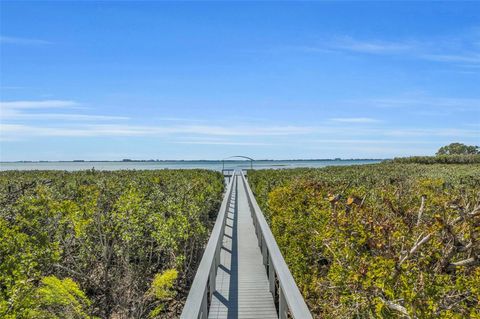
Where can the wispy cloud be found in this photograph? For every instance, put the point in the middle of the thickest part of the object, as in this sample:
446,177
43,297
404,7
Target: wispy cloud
369,141
23,131
245,130
355,120
15,113
209,142
44,104
22,41
35,110
419,101
461,49
59,116
469,58
376,151
179,119
369,46
91,130
5,88
442,132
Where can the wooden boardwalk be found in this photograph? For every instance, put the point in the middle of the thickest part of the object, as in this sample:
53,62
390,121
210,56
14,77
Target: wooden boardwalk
242,286
242,270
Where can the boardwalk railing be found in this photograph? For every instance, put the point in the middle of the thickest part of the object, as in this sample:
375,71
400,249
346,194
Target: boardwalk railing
281,283
203,286
290,300
230,172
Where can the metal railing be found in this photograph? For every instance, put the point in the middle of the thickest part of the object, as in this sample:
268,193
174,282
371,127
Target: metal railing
230,172
203,286
290,300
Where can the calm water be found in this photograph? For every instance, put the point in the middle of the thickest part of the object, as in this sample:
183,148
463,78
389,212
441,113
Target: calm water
213,165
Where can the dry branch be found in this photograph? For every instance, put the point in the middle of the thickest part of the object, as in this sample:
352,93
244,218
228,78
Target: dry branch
415,248
396,307
472,261
421,209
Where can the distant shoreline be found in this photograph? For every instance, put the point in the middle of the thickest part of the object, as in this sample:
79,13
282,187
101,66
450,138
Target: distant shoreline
197,161
217,165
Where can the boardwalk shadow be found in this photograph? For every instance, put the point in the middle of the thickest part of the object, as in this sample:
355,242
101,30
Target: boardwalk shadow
242,286
226,295
233,289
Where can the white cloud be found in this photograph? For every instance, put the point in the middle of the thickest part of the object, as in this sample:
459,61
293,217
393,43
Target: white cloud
460,49
369,141
4,88
189,132
179,119
23,131
22,41
80,125
416,101
355,120
43,104
470,58
440,132
208,142
245,130
371,46
59,116
32,110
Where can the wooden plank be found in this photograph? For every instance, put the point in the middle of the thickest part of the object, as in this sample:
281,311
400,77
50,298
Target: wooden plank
242,286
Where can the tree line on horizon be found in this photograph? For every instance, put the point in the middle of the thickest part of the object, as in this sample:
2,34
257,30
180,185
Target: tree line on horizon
454,153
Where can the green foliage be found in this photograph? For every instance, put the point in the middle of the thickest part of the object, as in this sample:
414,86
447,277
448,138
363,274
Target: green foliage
60,299
454,153
161,289
53,298
163,283
439,159
347,235
111,232
458,148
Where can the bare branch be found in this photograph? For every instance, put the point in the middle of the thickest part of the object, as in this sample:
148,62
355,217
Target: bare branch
422,208
69,270
396,307
473,261
473,213
415,248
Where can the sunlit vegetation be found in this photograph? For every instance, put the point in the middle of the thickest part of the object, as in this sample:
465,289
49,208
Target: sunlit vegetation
440,159
89,244
453,153
458,149
379,241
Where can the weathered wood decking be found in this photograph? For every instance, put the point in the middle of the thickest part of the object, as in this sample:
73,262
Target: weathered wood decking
242,287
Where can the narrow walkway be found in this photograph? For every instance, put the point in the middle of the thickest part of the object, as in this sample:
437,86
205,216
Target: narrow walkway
242,289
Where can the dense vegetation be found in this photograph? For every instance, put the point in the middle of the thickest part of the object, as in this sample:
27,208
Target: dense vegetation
385,240
458,149
102,244
440,159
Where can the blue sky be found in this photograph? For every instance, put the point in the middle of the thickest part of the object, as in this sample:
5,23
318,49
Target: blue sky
206,80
